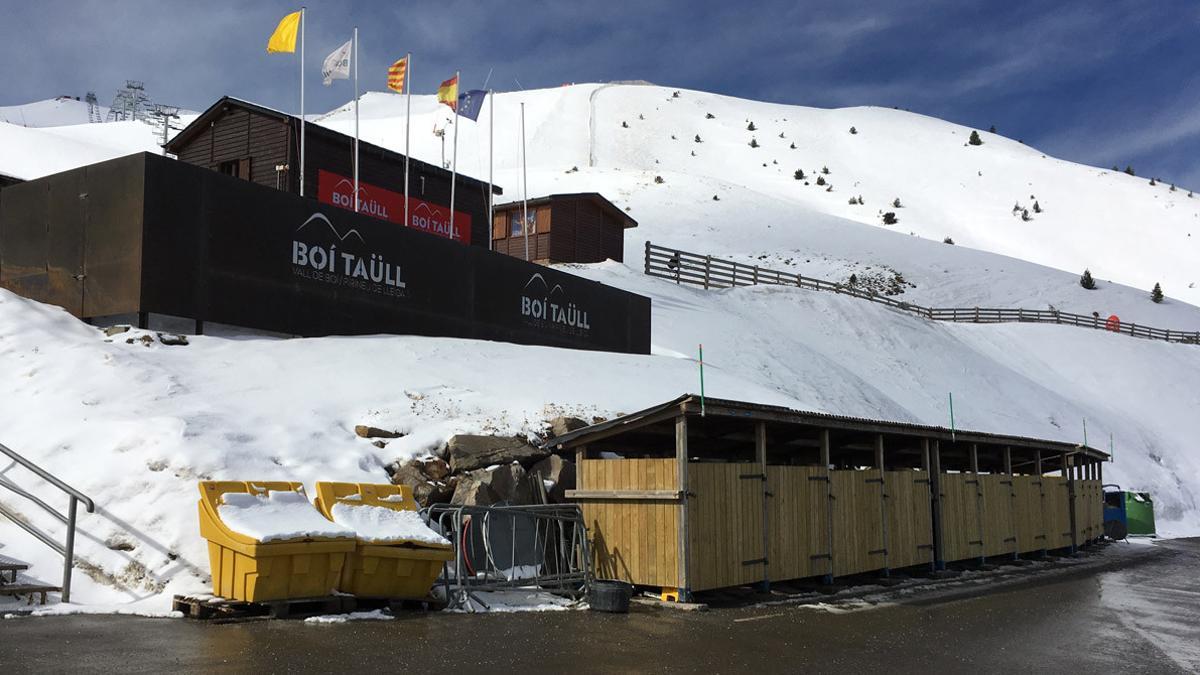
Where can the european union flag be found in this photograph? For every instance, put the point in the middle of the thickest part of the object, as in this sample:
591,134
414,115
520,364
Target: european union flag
470,103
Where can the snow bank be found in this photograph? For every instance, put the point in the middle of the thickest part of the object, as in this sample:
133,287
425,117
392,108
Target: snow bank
279,516
383,525
329,619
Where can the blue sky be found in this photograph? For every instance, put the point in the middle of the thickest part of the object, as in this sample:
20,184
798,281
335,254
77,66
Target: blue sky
1103,82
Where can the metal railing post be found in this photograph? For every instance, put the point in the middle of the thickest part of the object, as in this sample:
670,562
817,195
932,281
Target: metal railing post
69,554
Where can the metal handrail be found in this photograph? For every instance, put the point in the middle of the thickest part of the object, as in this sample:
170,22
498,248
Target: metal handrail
67,550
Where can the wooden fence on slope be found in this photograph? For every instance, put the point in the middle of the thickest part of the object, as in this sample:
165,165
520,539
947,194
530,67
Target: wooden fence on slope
683,267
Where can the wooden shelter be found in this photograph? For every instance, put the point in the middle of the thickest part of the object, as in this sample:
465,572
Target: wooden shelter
262,145
699,494
564,228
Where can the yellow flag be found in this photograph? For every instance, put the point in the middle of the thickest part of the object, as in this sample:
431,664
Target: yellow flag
284,37
448,92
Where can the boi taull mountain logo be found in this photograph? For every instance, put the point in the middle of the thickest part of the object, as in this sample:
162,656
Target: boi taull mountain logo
548,307
322,254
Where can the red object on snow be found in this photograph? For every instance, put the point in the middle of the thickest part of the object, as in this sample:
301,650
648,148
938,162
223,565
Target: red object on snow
1113,323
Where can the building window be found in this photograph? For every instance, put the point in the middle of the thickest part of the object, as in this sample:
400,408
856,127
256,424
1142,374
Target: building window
515,223
238,168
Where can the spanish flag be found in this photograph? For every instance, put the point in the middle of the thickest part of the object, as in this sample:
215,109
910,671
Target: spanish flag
396,75
284,37
448,93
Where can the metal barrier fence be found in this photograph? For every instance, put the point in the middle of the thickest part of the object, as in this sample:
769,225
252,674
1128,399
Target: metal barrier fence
683,267
504,547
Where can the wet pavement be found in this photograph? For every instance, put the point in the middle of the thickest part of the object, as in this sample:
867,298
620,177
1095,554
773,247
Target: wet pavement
1133,612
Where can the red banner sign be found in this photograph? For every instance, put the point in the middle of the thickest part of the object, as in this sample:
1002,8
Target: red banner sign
387,205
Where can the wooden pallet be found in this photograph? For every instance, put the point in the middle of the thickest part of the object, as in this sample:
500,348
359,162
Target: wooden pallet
221,609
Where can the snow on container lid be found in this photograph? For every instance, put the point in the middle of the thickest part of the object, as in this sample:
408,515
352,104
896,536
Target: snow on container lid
379,524
277,516
379,513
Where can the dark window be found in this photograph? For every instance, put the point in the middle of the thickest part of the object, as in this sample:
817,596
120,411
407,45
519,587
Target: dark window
238,168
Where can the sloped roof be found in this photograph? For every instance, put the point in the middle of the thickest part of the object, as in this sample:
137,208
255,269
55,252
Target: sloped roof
181,139
595,197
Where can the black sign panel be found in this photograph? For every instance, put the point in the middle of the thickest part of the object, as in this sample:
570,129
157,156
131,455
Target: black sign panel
221,249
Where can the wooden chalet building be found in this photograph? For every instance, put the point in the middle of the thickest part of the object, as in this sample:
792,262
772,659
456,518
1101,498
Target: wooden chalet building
582,227
262,145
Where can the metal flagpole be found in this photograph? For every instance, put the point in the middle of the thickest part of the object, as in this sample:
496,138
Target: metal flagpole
302,12
355,57
454,153
491,164
407,127
524,186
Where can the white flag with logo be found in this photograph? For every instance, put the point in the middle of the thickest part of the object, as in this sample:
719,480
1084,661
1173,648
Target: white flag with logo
337,64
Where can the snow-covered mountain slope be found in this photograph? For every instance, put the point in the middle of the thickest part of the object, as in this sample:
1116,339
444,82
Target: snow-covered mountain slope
29,153
135,427
1119,226
52,112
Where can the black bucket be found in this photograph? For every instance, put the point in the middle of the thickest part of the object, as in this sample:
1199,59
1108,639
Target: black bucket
609,595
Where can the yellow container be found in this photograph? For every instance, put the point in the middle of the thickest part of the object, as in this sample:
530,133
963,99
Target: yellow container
384,569
244,568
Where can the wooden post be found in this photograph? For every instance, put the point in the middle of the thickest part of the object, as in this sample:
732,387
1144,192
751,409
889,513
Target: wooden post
1069,470
935,488
760,447
1012,502
1040,471
883,515
974,455
826,452
681,458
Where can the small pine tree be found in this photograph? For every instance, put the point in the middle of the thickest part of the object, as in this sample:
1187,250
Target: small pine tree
793,146
675,94
975,139
853,280
825,170
1129,170
1156,295
853,130
659,180
693,153
820,180
1152,182
860,200
889,218
1025,215
853,201
896,203
716,198
624,124
1037,208
830,188
1016,207
697,139
1087,281
751,127
948,240
781,134
1115,168
673,137
641,116
1172,187
709,116
1189,194
753,143
992,129
799,174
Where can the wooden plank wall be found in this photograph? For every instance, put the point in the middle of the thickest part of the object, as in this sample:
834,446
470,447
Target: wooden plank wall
1028,513
960,517
1056,512
725,525
798,522
1089,507
633,540
909,518
857,505
999,536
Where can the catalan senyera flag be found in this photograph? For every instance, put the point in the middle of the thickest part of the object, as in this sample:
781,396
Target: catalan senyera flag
397,74
284,37
448,93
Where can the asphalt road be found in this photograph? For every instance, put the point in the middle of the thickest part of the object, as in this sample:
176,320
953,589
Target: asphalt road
1141,617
